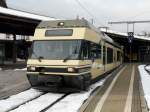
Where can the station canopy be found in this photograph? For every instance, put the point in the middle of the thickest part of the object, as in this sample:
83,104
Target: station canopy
18,22
124,36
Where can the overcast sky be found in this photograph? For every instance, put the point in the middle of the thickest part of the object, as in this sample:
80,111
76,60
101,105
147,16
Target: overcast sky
103,11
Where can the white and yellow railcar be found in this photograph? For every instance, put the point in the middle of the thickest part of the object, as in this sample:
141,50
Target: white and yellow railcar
70,53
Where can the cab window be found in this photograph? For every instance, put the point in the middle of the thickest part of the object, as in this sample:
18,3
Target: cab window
90,50
85,50
96,51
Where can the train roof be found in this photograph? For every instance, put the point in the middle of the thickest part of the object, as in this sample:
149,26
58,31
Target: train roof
76,23
67,23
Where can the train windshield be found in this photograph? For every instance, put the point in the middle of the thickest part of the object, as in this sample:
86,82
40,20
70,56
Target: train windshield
59,50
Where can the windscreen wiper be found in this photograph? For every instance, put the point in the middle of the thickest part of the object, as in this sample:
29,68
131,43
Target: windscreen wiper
38,57
67,58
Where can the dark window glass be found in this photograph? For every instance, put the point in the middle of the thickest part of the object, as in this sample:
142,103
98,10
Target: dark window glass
56,49
118,56
59,32
109,55
99,51
85,50
90,50
96,51
104,55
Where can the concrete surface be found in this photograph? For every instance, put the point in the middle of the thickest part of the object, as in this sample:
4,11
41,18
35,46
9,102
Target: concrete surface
12,82
119,97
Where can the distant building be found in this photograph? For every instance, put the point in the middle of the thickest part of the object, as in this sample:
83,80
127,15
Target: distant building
3,3
22,44
15,26
2,50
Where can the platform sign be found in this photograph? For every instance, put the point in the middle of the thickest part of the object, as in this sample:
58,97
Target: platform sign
130,37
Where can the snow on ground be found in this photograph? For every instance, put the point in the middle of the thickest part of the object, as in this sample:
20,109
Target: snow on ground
23,69
73,102
39,104
148,68
18,99
23,14
145,78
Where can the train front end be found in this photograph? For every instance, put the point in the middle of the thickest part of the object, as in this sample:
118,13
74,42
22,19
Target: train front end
56,58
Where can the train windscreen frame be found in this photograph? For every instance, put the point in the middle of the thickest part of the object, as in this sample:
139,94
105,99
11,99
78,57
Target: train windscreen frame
56,49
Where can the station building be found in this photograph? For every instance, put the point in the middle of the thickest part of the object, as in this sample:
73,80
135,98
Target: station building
16,27
8,47
7,50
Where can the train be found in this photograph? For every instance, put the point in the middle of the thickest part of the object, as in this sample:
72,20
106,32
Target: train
70,54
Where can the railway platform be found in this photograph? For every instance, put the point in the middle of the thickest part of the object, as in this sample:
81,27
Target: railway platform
121,93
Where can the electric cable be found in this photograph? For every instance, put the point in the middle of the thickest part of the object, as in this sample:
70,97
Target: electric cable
88,12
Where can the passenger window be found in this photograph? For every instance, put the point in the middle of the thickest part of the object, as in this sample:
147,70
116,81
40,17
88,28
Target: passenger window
98,51
118,55
109,55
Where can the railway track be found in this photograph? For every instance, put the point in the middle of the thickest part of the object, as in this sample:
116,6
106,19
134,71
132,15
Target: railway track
33,100
41,104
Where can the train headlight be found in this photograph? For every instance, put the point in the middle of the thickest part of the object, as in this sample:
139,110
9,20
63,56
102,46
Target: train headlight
31,68
61,24
71,69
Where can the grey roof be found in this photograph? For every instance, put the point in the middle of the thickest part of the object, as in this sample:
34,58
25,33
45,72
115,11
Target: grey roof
124,35
106,38
67,23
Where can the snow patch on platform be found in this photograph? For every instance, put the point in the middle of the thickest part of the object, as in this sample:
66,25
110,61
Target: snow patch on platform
145,79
